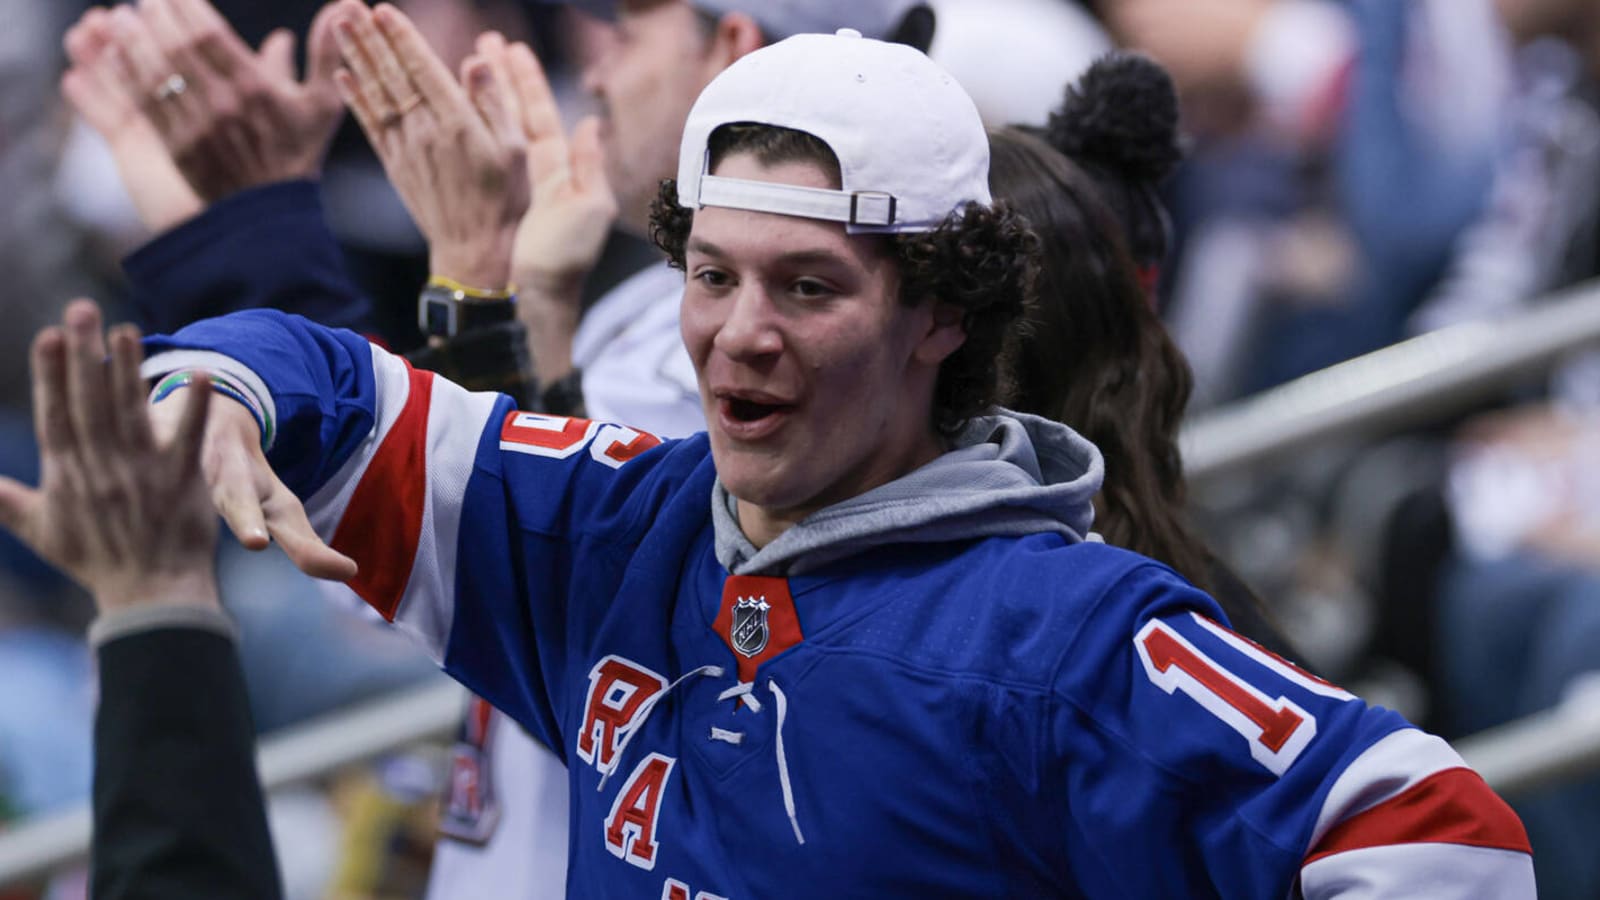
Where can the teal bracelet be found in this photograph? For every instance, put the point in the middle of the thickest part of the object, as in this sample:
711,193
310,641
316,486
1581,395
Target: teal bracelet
222,385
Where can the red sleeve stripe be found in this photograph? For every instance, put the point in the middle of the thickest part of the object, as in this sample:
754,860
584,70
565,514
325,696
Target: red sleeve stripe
383,521
1454,806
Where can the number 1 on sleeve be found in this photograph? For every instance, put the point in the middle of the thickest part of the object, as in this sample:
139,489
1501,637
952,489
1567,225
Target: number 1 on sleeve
1277,730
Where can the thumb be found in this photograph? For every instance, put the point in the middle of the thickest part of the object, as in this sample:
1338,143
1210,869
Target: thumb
277,55
488,95
17,504
588,156
322,49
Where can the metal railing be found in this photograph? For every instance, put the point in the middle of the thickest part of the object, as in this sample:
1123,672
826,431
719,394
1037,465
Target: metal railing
287,758
1407,384
1411,383
1546,748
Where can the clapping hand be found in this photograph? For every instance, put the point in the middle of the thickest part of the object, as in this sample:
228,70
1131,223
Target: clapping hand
454,153
173,89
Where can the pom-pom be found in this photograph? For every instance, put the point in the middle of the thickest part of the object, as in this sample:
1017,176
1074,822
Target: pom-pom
1121,114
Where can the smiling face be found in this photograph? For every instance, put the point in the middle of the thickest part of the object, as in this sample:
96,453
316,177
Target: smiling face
817,381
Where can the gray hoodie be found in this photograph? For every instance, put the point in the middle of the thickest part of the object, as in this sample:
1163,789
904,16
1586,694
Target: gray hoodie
1007,474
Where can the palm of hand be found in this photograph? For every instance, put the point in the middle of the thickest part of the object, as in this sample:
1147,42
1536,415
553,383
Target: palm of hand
120,511
573,209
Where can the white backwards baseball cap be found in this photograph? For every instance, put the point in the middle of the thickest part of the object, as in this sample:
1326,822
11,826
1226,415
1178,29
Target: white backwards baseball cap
783,18
911,146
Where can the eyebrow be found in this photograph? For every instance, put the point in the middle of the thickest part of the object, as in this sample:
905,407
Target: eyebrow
794,257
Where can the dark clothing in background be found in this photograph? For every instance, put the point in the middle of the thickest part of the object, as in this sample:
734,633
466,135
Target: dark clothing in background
178,810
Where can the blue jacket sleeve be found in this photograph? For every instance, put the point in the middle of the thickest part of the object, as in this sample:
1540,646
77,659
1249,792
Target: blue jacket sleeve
1253,776
266,247
474,525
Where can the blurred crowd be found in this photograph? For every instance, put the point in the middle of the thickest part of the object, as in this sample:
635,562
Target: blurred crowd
1358,172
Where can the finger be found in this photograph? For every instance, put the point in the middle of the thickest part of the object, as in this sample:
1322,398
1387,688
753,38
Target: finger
277,55
322,49
88,387
79,43
589,156
424,69
129,405
365,81
17,504
361,108
177,46
190,437
493,49
213,39
103,90
85,46
139,64
290,528
541,119
51,421
82,90
233,489
489,98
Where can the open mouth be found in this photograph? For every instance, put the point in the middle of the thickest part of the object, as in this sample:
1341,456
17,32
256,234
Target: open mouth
741,410
748,418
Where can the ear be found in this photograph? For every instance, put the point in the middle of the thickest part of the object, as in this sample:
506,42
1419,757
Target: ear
736,35
945,335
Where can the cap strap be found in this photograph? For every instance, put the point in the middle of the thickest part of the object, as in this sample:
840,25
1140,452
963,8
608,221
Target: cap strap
850,207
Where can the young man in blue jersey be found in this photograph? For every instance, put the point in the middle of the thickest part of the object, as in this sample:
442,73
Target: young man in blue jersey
857,641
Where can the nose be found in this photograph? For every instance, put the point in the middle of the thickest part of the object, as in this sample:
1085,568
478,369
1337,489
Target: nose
751,329
595,45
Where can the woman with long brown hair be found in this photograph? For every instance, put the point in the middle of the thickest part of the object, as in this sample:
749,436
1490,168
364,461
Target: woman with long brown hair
1094,354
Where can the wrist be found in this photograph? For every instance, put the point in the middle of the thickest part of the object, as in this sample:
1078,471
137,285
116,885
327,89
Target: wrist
551,326
554,287
192,586
487,272
221,384
446,307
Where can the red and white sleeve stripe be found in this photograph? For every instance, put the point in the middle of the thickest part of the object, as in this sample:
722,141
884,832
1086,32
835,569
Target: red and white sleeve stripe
1407,818
395,506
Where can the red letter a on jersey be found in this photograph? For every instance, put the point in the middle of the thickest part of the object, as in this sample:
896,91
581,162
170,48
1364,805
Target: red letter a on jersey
618,689
631,827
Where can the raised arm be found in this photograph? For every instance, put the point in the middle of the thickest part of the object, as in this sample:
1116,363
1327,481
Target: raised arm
178,810
218,147
468,521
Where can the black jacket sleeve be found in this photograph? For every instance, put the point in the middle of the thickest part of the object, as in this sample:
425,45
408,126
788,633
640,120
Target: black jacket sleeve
178,810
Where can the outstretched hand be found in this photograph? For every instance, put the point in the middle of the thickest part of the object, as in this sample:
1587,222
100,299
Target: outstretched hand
120,511
258,508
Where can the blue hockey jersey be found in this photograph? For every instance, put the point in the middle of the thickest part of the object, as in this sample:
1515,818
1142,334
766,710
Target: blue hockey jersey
976,705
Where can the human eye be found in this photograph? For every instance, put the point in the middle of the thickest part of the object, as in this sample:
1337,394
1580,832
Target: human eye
712,278
812,288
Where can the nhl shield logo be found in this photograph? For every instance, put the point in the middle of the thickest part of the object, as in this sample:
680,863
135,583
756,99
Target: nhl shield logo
750,633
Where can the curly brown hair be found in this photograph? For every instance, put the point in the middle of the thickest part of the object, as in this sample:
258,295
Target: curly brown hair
981,259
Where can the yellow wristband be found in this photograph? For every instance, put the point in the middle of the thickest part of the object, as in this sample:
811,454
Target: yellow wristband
450,284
